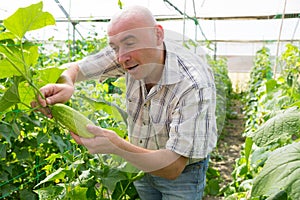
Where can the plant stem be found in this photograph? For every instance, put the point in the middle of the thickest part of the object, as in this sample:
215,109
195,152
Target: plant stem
24,76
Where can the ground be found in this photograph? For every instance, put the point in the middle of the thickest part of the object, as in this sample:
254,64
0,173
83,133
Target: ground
229,146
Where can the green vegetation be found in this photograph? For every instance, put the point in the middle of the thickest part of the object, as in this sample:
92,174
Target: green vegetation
39,159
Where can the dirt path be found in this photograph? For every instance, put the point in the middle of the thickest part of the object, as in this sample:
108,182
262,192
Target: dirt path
229,146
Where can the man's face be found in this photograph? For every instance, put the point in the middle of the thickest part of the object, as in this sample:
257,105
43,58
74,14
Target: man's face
137,51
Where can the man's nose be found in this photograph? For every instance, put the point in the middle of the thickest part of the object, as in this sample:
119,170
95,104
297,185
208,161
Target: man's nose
123,56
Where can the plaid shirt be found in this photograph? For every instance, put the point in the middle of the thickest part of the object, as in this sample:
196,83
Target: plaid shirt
176,114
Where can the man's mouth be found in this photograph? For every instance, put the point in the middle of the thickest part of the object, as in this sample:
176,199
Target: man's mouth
131,68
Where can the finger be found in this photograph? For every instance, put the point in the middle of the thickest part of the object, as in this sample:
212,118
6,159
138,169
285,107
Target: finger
96,130
50,94
33,104
76,138
46,110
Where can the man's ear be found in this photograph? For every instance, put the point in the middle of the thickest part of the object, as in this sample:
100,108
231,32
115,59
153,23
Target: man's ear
160,34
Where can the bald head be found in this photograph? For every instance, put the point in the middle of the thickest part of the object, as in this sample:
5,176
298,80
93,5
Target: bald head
131,18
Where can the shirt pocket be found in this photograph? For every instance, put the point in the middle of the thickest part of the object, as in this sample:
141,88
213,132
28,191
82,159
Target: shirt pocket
159,118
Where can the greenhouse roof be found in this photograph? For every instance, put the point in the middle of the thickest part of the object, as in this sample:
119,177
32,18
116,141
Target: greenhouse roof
237,26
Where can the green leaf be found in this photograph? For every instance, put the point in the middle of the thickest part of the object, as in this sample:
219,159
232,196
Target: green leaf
280,127
120,83
110,108
282,195
77,193
47,75
28,19
248,149
17,61
27,195
6,36
271,85
213,187
3,155
60,143
124,188
120,4
11,96
111,178
49,193
297,103
7,132
259,156
27,94
58,174
280,173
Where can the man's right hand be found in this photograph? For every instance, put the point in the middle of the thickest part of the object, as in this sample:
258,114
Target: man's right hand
59,92
53,93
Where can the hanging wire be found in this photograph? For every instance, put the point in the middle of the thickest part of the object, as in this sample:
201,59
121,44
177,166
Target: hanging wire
278,41
69,20
184,17
215,43
195,15
187,16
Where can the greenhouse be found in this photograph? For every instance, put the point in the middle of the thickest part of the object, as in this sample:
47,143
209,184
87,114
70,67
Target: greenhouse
252,48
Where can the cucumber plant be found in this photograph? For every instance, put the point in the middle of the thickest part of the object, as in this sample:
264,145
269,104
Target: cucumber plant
38,157
269,164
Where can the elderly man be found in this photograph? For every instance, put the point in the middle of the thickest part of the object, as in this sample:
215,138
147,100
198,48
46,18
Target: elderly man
170,102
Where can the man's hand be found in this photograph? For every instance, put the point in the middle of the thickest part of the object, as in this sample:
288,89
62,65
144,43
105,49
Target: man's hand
104,142
53,93
163,162
60,92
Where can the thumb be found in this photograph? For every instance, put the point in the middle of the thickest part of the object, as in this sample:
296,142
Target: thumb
51,100
96,130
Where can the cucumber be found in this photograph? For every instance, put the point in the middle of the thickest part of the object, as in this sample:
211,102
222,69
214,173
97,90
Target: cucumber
71,119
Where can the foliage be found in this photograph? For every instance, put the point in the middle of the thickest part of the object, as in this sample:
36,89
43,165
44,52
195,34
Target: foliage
38,158
280,173
223,95
269,160
224,89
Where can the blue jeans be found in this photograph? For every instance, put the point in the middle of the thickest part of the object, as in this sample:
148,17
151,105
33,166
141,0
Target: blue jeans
188,186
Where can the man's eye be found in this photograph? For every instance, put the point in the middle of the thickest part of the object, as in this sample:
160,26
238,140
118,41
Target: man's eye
115,49
130,44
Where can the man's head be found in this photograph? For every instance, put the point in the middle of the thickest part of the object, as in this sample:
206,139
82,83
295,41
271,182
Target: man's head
137,40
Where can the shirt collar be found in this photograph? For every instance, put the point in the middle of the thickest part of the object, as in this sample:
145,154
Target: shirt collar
171,73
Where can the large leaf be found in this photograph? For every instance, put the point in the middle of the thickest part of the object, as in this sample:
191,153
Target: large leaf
111,177
28,19
280,173
280,127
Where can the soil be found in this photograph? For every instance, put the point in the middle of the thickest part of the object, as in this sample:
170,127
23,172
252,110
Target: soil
229,146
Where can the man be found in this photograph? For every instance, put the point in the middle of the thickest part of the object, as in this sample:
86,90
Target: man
170,102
